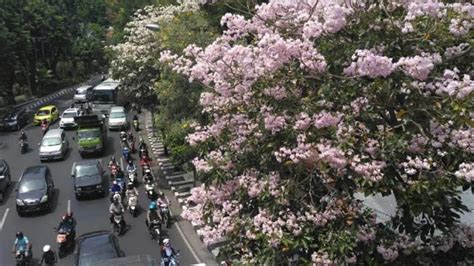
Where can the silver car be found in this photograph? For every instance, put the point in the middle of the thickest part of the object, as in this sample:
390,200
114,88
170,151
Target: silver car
83,94
54,145
117,118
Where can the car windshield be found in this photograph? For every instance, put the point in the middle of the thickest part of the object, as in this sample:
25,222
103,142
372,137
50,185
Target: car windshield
69,114
89,134
95,249
31,185
51,141
81,92
86,170
117,115
103,96
42,112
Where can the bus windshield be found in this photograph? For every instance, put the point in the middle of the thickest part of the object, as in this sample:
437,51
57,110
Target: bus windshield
104,96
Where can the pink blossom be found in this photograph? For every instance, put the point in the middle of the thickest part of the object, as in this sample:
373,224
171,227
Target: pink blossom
325,119
459,27
359,104
369,64
388,253
276,92
417,144
372,171
303,121
333,156
274,123
465,171
201,165
418,67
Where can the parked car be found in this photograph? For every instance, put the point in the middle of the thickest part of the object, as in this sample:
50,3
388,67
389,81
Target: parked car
117,118
5,178
35,190
88,178
54,145
14,120
83,94
95,247
67,118
49,112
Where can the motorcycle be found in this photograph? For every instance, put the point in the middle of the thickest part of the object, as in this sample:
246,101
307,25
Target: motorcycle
65,240
136,125
170,261
143,151
132,146
113,170
132,177
126,153
150,191
155,231
124,142
23,146
22,259
119,224
132,205
165,213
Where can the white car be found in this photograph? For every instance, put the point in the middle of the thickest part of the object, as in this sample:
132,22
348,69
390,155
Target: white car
83,94
67,118
117,118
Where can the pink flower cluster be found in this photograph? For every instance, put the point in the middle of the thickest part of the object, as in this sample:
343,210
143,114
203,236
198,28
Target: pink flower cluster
417,144
389,253
369,64
274,123
452,85
465,171
321,259
301,152
414,165
276,92
303,121
325,119
359,104
372,171
458,50
418,67
460,27
201,165
333,156
463,139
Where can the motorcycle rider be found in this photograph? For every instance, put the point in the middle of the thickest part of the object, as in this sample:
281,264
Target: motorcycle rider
135,118
131,191
130,136
167,251
49,257
152,214
116,207
123,134
69,223
142,145
21,243
147,176
23,136
116,188
126,153
112,161
44,124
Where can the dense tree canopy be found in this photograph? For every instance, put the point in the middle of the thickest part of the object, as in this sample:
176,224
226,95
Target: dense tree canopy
310,102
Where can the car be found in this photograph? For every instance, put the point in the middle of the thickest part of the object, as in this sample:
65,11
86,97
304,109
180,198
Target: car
14,120
5,178
83,94
48,112
54,145
35,190
96,247
117,118
67,118
88,178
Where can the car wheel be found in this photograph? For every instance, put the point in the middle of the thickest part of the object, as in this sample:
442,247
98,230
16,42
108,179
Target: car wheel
78,197
21,214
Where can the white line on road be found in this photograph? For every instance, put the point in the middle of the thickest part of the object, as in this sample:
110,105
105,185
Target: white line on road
178,226
68,206
121,163
4,219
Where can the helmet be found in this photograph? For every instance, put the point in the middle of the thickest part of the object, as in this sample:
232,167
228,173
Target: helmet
23,132
116,198
148,171
19,234
46,248
152,205
161,194
141,140
67,216
130,162
166,242
112,158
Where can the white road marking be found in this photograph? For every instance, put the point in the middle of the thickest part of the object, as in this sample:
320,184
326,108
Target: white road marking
4,219
198,260
121,163
68,206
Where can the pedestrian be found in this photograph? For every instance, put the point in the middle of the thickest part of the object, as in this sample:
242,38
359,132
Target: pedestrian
49,257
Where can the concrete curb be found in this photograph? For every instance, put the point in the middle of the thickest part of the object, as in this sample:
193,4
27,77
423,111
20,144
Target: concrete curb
178,181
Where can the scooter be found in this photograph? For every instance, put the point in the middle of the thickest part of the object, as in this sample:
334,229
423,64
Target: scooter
170,261
65,240
136,125
23,146
126,154
155,230
132,177
119,224
113,170
165,213
150,191
132,205
143,151
22,259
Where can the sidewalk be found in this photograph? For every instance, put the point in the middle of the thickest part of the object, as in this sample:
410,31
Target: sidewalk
176,185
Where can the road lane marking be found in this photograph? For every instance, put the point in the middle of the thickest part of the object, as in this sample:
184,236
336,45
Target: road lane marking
68,206
4,219
178,226
121,163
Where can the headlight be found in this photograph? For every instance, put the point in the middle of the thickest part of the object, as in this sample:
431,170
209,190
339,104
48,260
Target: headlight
2,176
44,198
98,186
19,202
78,188
12,123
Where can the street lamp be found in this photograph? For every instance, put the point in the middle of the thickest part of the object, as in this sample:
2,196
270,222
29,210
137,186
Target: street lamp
152,27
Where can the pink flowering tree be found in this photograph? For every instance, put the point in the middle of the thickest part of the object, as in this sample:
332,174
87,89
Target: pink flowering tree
309,102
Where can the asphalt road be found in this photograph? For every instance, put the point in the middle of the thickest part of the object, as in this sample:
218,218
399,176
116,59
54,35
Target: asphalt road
91,215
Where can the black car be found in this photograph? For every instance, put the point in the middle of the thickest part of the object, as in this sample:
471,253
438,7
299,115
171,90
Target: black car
5,178
35,190
96,247
88,178
14,120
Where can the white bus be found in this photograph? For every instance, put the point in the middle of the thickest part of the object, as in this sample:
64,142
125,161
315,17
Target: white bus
105,95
